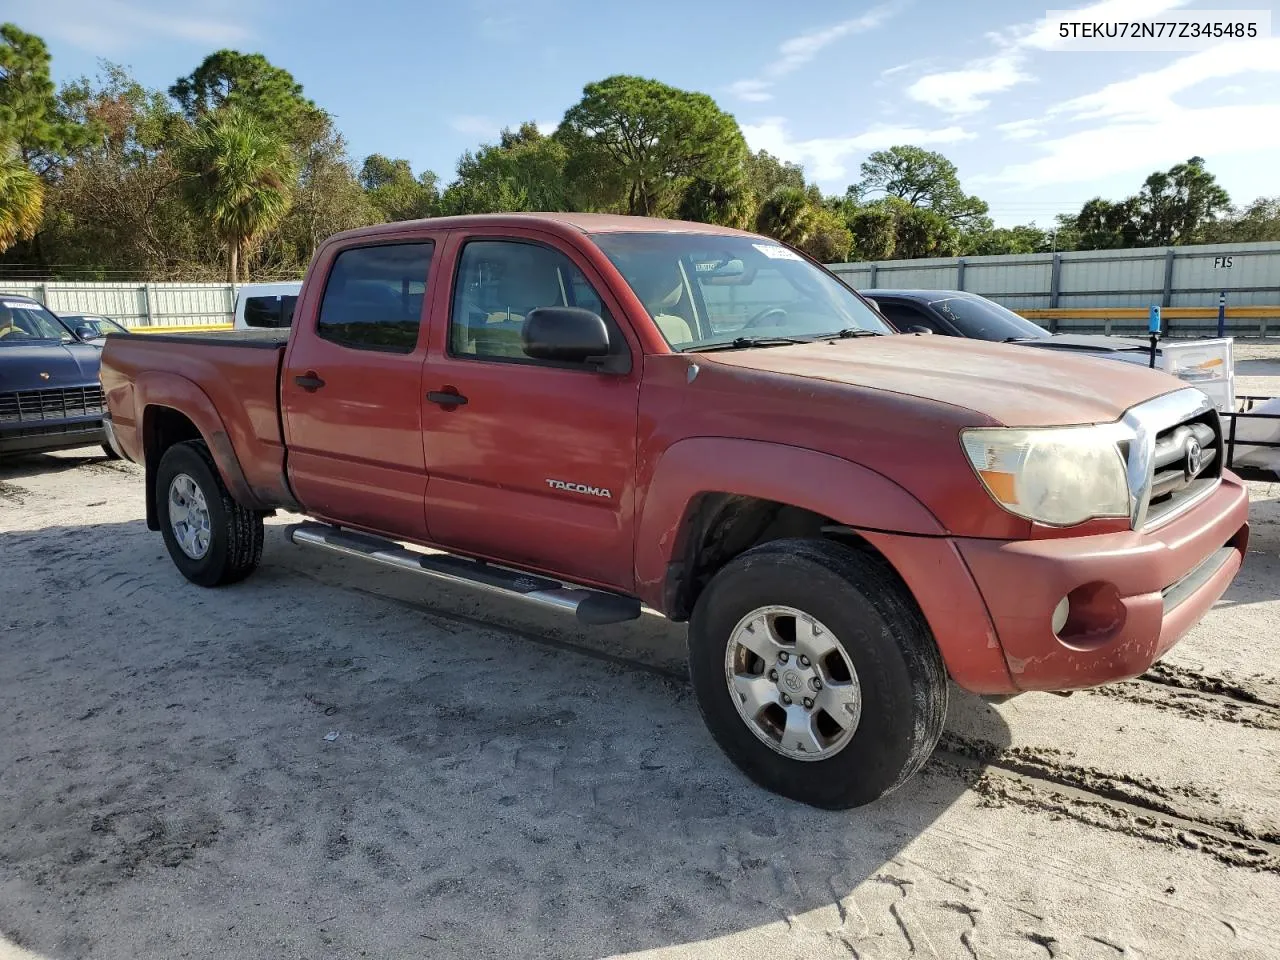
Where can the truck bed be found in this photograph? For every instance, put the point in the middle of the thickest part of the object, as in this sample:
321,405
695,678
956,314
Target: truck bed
262,339
226,382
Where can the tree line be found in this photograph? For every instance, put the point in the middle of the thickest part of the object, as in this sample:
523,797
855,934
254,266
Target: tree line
233,172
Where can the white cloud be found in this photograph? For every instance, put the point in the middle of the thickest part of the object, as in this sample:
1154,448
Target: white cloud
754,91
1147,94
825,158
799,50
796,51
507,21
1138,124
968,89
1021,129
900,68
475,125
963,91
109,27
1139,147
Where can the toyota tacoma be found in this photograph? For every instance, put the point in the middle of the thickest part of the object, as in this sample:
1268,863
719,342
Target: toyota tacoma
597,413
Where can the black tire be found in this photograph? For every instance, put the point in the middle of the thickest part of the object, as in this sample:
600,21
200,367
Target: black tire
876,621
235,544
109,453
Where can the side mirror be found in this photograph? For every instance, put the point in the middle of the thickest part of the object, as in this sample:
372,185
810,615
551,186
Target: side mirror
86,332
917,328
565,334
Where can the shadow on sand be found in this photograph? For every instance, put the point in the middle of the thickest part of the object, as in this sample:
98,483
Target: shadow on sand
167,784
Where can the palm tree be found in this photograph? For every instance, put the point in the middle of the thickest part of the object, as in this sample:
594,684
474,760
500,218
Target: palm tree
786,215
237,177
21,198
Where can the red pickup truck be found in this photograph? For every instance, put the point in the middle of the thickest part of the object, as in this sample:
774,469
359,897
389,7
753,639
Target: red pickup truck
596,412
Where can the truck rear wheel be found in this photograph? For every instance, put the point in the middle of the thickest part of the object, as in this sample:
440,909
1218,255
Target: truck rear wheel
816,673
212,539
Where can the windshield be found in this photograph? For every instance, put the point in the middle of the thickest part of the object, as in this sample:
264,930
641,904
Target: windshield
704,290
985,320
97,327
22,322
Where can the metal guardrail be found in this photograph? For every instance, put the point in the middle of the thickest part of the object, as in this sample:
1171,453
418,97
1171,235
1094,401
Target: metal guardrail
181,328
1261,321
1247,414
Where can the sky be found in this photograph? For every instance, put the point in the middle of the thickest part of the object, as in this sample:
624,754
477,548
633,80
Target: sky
1034,129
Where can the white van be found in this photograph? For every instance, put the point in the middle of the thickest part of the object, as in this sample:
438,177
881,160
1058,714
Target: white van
261,306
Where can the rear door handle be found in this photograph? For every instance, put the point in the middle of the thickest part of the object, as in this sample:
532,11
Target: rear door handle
447,398
310,382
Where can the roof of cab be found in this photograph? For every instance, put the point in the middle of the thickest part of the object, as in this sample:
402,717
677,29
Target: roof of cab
917,294
585,223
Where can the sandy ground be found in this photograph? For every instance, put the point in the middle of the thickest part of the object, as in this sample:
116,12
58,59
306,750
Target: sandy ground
504,783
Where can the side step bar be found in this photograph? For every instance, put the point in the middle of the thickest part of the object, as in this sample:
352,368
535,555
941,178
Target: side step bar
593,607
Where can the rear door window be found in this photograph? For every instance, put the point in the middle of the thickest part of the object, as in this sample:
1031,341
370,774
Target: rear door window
375,296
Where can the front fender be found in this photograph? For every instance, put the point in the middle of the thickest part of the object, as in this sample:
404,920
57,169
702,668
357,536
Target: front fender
848,493
158,389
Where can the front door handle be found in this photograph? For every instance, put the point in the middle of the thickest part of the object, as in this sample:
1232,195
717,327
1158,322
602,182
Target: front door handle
447,398
310,382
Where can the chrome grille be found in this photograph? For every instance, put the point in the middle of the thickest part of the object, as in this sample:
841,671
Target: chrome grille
1187,461
34,406
1174,455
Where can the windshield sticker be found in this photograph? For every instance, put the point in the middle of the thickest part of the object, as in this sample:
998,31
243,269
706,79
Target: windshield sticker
774,252
18,304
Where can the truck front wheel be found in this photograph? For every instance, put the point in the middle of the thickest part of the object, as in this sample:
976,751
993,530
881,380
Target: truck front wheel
212,539
816,673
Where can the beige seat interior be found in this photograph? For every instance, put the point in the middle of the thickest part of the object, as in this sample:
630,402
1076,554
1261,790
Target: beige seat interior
529,279
661,287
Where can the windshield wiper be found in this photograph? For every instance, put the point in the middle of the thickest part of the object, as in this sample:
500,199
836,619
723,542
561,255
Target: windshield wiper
848,333
744,343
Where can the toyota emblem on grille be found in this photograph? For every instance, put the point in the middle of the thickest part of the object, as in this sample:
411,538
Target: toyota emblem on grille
1195,457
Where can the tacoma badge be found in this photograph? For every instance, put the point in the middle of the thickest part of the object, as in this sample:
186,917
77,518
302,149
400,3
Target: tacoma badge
580,488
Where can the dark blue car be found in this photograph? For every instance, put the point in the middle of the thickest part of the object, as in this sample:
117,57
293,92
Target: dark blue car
50,396
954,313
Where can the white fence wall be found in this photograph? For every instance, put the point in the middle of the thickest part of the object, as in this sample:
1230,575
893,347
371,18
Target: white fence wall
135,304
1249,273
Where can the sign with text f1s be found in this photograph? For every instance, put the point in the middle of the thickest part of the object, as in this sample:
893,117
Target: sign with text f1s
1220,263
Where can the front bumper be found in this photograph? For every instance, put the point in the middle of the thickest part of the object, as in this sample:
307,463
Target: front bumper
1133,595
53,436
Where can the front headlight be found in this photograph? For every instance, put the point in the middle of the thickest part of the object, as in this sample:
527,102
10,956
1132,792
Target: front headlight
1059,476
1197,367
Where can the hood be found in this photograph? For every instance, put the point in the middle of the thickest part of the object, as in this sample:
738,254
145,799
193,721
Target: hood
67,364
1006,382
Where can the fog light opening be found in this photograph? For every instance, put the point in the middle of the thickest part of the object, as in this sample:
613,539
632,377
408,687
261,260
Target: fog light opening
1093,615
1060,614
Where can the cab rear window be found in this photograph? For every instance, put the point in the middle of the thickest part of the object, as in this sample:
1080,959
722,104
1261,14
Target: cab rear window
270,311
